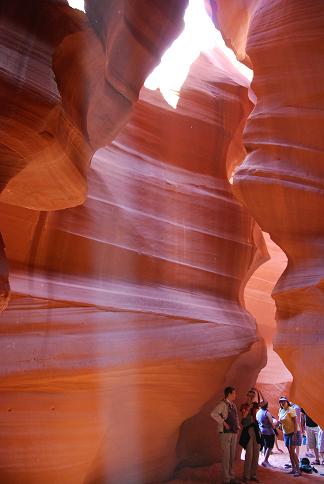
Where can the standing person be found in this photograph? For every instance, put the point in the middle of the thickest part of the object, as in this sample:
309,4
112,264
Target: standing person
225,414
312,430
303,429
266,426
321,444
250,438
288,420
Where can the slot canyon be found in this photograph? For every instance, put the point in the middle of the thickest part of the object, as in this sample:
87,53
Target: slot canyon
153,253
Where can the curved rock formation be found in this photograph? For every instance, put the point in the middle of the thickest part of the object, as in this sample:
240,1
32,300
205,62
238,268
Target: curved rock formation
281,180
127,317
61,91
274,379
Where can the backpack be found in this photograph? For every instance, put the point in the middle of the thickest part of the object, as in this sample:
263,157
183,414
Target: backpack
305,466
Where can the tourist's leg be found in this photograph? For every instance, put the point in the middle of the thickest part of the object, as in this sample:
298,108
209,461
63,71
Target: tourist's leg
233,445
225,449
255,456
248,457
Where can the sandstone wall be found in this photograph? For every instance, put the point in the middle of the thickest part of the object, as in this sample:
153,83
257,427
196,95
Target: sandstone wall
59,94
281,179
274,379
62,93
127,317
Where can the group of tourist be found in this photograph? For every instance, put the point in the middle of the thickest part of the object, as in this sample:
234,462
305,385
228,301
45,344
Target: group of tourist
258,430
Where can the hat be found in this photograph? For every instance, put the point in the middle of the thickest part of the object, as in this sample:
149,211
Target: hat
283,399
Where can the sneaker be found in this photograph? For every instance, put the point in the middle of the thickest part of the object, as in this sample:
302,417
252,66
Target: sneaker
309,454
297,474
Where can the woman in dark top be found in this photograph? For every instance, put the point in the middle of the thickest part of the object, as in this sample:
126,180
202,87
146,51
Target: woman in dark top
250,437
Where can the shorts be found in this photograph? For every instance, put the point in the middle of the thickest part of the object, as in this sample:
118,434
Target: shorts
312,437
268,441
320,440
292,439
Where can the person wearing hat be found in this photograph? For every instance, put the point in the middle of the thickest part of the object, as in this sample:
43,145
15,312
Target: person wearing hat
288,420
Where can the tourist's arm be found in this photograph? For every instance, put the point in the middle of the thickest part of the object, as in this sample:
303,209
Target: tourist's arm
294,419
269,416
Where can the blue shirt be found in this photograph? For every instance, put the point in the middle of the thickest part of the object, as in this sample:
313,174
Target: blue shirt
264,423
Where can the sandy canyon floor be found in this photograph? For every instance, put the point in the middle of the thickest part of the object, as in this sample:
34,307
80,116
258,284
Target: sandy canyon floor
276,474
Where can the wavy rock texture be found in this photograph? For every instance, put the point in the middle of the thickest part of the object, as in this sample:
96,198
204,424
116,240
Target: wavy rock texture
60,100
127,316
281,180
274,379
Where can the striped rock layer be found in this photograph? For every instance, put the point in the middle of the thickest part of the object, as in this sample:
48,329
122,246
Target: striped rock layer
59,97
281,179
127,317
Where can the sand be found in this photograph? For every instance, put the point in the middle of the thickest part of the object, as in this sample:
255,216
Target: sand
277,474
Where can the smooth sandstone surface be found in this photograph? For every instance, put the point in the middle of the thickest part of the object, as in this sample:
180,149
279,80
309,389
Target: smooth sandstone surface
126,319
60,98
274,379
281,179
59,95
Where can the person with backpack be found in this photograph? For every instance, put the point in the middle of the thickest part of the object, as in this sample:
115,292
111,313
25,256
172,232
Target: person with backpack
250,438
225,414
288,420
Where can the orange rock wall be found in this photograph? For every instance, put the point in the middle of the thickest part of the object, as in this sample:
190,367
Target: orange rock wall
59,96
126,316
62,92
274,379
281,180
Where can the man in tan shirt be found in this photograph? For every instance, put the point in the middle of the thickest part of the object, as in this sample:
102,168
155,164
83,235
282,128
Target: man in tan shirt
225,414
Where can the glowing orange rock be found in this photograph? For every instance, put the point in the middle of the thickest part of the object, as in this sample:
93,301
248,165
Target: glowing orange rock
127,313
281,180
60,99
